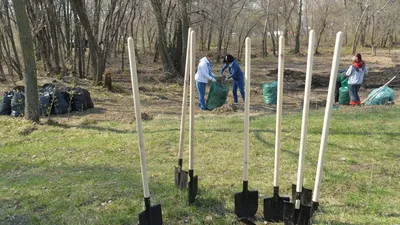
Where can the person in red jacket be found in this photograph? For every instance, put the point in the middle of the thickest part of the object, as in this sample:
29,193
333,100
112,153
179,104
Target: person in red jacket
356,73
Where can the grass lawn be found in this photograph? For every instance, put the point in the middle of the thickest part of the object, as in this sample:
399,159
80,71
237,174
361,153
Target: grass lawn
88,172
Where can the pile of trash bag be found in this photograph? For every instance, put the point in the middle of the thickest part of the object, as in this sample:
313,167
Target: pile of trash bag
52,100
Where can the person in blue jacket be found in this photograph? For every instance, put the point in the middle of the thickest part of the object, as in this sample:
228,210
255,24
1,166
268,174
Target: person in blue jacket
236,74
203,75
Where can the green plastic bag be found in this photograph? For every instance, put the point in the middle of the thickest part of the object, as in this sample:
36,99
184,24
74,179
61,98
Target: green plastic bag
386,95
270,93
344,96
217,96
341,76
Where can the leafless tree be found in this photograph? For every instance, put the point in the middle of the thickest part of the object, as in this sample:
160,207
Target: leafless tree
26,41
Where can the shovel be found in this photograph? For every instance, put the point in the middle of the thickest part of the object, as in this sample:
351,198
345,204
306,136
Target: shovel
152,215
273,206
193,180
325,132
292,210
246,202
181,176
304,215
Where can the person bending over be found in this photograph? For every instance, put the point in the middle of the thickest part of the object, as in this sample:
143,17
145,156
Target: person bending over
236,74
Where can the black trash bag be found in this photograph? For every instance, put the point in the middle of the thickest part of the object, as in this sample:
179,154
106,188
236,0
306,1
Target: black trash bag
47,88
45,103
5,106
18,89
88,98
60,102
79,101
17,104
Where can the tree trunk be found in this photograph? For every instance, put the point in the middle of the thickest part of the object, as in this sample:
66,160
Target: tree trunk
345,23
52,17
168,63
96,19
93,46
298,29
264,42
11,36
210,35
184,31
25,36
356,34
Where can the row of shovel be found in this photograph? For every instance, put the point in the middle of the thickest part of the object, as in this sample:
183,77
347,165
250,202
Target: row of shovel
304,203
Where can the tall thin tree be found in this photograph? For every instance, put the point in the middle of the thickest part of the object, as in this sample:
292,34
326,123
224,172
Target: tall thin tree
26,41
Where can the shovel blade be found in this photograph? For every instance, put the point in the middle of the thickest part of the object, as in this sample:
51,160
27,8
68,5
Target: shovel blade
193,187
177,176
246,204
292,216
273,208
305,215
288,209
151,216
305,197
181,178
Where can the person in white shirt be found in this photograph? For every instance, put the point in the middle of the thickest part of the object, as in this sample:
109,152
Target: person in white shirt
203,75
356,73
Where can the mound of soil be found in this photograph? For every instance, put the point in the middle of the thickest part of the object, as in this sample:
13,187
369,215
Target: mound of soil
296,79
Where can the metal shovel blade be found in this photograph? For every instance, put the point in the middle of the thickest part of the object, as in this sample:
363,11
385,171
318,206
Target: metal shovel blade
305,215
273,207
288,209
193,187
183,181
180,178
151,216
305,197
293,216
246,202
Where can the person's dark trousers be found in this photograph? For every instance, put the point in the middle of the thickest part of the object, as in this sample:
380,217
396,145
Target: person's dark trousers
337,87
201,91
353,92
235,85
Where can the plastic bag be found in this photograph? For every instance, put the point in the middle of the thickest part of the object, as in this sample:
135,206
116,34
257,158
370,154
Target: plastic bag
17,104
5,105
217,96
344,96
386,95
270,93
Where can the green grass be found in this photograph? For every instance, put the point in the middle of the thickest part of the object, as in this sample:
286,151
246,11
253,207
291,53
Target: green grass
89,173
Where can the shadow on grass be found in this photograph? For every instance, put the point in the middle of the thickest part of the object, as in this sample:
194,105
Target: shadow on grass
334,222
36,193
91,127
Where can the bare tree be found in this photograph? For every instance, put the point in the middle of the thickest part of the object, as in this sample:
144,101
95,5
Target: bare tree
298,28
360,20
7,38
26,41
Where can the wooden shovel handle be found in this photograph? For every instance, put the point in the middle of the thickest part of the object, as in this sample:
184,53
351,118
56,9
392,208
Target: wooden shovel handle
306,106
136,99
185,98
192,84
281,63
327,117
246,108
